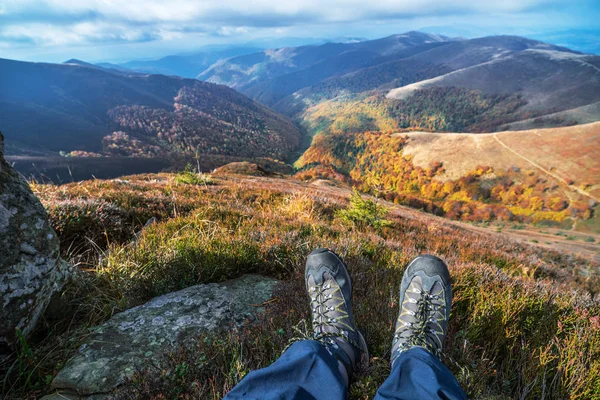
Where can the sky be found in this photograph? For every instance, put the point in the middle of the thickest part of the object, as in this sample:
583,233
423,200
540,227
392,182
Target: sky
109,30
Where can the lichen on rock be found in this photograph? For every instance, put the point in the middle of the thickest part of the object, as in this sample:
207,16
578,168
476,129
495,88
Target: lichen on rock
31,270
141,335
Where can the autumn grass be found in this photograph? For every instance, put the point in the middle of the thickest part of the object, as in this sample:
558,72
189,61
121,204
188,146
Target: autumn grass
524,322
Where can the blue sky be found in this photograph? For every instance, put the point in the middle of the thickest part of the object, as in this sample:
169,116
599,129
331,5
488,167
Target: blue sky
109,30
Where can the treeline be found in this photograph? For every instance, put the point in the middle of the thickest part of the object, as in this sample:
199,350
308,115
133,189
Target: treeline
455,109
375,163
435,109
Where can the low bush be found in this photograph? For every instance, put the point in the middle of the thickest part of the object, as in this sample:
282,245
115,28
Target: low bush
364,213
192,178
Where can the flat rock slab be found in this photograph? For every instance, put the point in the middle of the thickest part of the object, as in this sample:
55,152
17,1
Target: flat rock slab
133,338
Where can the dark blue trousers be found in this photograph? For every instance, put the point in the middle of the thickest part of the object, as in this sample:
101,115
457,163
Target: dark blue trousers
307,371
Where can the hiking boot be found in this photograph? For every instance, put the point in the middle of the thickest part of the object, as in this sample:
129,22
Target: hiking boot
425,300
330,291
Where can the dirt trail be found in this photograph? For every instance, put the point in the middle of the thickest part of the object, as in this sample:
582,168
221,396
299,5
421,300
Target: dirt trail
572,187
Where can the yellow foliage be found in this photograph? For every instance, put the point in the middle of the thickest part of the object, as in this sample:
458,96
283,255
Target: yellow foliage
517,210
460,196
559,216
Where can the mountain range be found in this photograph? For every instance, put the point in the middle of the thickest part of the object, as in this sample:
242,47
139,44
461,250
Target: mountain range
313,83
410,81
186,65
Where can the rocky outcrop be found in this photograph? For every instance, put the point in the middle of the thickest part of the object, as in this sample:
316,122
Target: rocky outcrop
141,335
31,270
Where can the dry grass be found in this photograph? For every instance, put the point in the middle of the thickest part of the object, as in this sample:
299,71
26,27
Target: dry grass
524,321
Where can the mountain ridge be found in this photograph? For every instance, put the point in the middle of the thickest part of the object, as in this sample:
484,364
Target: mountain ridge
294,88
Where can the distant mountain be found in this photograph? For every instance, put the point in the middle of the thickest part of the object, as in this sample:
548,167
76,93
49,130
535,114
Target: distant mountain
584,40
277,42
108,67
484,83
549,80
78,107
250,73
75,61
187,66
116,67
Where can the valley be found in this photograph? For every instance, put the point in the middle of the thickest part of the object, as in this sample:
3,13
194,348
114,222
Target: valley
519,78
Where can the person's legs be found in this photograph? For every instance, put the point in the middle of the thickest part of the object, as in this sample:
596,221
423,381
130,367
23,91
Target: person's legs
425,301
320,368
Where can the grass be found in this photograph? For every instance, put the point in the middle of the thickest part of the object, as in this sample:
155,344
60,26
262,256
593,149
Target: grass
524,323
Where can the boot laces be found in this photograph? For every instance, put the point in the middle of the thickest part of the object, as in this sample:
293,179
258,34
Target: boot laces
325,299
420,332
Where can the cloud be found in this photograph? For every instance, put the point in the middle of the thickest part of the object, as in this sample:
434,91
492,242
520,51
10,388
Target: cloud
47,23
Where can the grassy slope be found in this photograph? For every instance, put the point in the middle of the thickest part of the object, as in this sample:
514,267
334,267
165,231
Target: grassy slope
579,115
570,152
543,77
517,330
567,156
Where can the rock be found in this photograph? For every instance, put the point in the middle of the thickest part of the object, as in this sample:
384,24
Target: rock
133,338
31,270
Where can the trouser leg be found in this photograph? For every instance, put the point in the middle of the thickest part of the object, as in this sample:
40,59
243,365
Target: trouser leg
418,374
305,371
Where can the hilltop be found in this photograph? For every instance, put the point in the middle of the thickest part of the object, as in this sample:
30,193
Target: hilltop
509,295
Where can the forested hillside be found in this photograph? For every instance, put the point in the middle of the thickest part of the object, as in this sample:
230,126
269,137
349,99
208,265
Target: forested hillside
520,176
47,108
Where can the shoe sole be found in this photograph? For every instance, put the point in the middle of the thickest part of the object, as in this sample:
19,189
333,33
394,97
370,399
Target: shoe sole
363,363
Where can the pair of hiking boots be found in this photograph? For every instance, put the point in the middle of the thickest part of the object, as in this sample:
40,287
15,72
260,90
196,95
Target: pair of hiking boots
425,300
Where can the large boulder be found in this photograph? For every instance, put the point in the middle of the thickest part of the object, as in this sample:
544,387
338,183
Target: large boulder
31,270
134,338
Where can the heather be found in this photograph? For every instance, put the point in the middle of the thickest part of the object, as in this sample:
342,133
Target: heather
524,323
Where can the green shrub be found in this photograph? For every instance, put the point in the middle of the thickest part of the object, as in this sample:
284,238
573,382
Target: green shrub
192,178
364,213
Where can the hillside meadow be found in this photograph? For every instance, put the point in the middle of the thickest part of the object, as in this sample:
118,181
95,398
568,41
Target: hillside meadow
525,320
544,177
